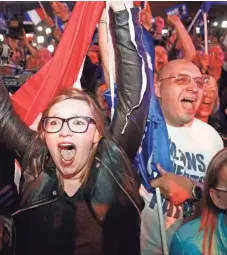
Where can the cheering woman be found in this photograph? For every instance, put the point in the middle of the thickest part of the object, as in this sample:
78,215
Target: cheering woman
79,193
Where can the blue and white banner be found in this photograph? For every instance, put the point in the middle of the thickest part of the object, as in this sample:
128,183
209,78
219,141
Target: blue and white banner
155,145
181,10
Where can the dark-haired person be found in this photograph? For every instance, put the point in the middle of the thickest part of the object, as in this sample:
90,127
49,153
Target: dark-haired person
80,195
207,234
209,110
213,64
161,57
216,61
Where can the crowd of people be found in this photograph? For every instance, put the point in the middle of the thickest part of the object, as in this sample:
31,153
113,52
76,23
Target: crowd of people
78,191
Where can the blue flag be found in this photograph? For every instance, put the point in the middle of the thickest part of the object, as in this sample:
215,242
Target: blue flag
181,10
206,5
155,143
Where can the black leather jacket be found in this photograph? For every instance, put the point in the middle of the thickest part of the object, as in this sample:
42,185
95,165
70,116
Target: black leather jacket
111,183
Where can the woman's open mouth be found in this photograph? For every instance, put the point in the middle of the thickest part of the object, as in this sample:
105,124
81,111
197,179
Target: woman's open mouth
67,153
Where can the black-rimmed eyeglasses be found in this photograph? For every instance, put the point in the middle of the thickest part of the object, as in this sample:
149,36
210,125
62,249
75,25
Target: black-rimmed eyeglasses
185,79
78,124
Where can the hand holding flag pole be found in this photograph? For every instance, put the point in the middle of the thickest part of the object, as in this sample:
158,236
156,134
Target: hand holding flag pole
176,189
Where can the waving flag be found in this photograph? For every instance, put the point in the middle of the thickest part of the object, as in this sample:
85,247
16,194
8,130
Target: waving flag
181,10
206,5
155,143
62,70
36,16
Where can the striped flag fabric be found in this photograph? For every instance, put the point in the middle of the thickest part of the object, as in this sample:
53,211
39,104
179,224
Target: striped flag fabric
62,70
36,16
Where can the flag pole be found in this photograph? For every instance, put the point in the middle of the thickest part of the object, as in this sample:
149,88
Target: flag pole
161,221
42,7
205,32
110,57
194,20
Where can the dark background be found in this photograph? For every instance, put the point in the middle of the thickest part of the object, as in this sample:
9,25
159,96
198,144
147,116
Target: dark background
219,13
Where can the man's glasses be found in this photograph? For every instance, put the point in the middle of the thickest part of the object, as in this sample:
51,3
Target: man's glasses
221,189
185,79
77,124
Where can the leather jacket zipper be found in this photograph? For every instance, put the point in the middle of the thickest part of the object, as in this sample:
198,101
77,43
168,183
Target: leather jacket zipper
120,186
25,209
34,206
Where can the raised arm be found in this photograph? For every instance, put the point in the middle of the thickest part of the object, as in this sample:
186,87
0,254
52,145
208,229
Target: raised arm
129,120
184,38
14,134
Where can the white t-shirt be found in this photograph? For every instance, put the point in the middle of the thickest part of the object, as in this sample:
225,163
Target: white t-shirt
191,150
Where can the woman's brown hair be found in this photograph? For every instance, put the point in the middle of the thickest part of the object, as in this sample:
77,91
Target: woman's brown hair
208,210
72,93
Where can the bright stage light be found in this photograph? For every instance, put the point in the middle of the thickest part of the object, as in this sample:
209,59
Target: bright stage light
39,28
197,30
48,30
50,48
40,39
224,23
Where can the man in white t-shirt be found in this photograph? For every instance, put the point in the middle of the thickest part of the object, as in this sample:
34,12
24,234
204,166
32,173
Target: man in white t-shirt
193,143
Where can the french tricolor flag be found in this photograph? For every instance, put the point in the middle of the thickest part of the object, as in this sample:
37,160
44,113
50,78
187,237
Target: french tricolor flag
36,16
